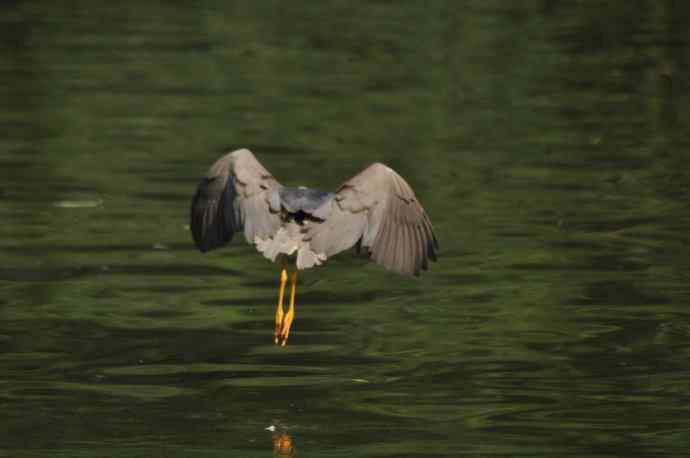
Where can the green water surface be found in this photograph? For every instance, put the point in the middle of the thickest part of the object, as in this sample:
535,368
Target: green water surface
548,140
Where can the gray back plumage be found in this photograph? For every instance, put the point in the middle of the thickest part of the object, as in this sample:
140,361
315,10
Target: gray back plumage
308,200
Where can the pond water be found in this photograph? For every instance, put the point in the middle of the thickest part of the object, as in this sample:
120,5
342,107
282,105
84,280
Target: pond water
548,141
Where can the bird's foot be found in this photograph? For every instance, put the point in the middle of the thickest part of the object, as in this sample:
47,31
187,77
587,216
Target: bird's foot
277,335
279,308
283,330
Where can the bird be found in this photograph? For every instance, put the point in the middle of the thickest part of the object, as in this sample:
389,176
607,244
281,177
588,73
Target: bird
376,212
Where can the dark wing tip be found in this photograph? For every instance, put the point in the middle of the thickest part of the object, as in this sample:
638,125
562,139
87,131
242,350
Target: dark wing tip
209,225
433,247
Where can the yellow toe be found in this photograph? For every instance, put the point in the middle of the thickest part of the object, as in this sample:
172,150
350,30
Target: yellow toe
279,308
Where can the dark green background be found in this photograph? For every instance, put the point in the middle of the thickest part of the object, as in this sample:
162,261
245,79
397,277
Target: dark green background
548,141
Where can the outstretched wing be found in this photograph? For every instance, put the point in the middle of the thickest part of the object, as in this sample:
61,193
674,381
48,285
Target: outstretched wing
378,210
235,195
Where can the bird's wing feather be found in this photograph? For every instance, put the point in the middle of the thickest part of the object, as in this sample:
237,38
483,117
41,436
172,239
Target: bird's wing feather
234,196
378,209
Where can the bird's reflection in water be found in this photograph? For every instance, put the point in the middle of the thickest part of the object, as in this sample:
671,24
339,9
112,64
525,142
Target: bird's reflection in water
282,444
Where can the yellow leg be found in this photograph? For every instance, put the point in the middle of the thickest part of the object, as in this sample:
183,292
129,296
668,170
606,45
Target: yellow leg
287,321
279,307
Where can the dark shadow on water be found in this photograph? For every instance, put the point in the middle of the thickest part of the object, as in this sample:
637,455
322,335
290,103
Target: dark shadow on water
588,245
515,234
56,274
615,262
596,162
15,165
166,289
481,298
161,196
311,297
621,293
611,225
36,250
597,263
463,279
163,313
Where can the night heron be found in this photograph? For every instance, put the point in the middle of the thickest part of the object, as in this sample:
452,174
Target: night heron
376,210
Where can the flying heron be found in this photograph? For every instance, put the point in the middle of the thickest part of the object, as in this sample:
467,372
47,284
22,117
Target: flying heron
376,210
